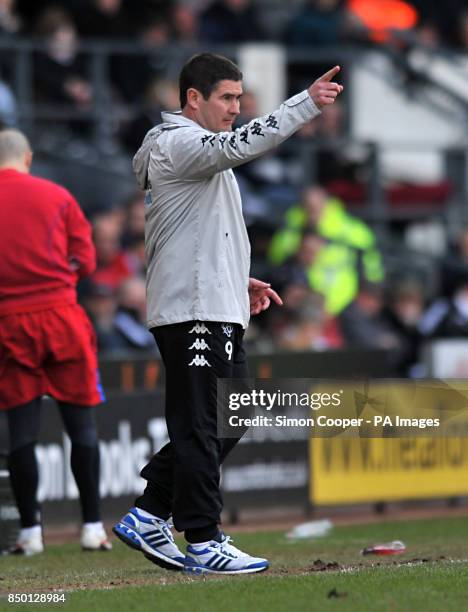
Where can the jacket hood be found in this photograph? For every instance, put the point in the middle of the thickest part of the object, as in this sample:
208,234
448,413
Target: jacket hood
142,157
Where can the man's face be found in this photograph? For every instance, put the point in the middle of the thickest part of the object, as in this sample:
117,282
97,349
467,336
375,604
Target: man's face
219,112
310,246
314,199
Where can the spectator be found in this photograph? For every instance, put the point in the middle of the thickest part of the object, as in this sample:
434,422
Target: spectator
113,266
455,265
463,29
363,323
145,12
103,19
134,225
295,269
132,74
428,35
230,21
310,328
404,310
260,233
160,95
100,304
133,238
330,220
330,269
446,16
118,315
448,317
185,25
130,320
339,161
8,109
10,22
318,23
135,255
60,72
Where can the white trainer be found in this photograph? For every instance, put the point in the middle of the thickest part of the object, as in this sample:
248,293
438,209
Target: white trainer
29,542
221,558
94,537
152,536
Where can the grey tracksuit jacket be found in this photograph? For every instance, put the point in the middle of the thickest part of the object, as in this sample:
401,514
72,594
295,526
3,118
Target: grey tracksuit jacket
197,248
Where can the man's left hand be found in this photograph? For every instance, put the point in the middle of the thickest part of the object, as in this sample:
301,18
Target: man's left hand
260,295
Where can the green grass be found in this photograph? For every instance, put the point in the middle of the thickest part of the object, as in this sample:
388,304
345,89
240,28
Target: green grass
124,580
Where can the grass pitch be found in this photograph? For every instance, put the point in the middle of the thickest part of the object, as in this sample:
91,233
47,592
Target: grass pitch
321,574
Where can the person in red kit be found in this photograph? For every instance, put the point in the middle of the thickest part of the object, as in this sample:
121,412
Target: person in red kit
47,344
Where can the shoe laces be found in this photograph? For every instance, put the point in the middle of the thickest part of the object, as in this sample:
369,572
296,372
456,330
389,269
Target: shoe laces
226,547
165,527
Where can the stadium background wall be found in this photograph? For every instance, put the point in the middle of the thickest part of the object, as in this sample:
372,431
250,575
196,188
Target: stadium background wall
268,472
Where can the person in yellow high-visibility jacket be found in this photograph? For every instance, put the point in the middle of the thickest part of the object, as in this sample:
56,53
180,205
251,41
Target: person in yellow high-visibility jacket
330,269
329,218
334,274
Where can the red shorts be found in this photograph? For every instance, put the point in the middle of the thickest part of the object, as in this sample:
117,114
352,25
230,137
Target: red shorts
49,352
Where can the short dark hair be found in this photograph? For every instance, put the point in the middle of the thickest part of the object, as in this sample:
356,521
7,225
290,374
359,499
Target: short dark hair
203,72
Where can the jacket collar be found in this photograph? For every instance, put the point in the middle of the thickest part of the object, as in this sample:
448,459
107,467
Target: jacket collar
177,118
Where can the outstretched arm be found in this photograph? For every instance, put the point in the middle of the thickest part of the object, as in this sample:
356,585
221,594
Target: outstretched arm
198,153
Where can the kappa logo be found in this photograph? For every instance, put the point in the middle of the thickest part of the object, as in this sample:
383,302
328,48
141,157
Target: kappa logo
200,345
199,360
200,328
227,329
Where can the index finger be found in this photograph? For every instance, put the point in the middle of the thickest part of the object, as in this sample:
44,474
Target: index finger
274,296
254,283
330,74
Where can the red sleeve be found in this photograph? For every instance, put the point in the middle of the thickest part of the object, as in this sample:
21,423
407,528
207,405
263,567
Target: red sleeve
81,251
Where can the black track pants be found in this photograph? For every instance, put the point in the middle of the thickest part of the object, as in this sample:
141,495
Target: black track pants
183,477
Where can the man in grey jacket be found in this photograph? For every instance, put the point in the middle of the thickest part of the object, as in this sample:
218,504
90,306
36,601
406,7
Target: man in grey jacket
200,298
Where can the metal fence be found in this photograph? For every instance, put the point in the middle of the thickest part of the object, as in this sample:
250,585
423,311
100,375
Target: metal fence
103,155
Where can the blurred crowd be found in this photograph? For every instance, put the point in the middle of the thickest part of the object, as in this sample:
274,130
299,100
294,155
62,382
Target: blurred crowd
62,72
114,296
327,264
301,22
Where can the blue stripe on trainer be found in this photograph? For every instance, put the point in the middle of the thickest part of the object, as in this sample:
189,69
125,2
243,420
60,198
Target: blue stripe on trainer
214,559
155,532
217,563
223,565
156,540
